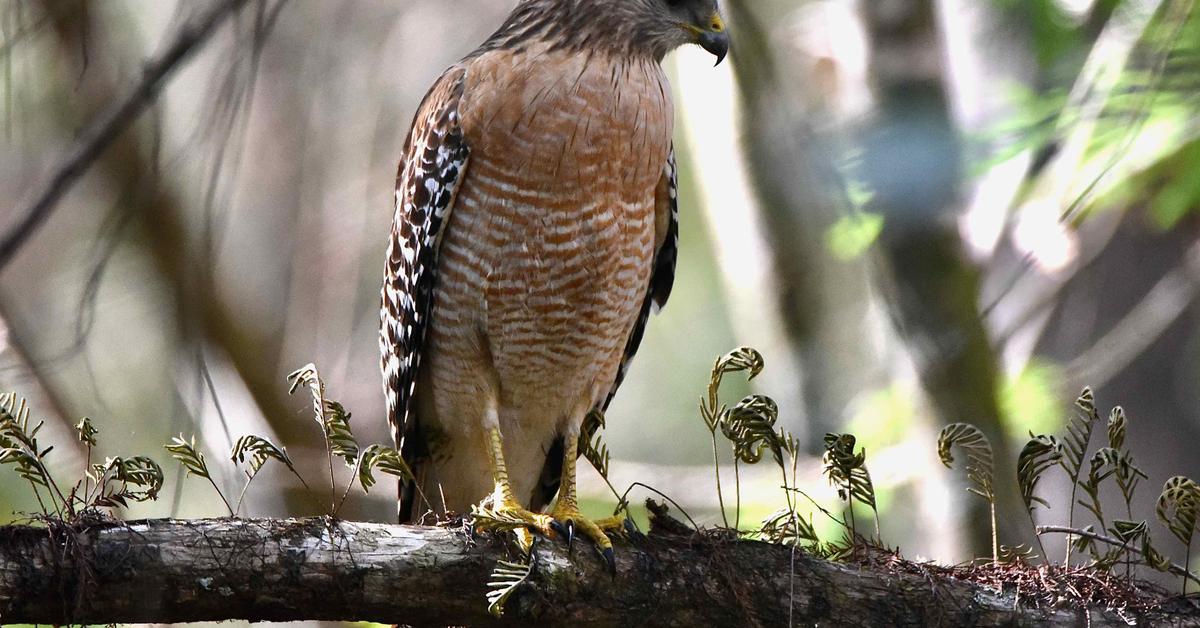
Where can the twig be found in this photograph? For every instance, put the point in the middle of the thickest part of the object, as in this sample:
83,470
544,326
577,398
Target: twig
1176,568
111,123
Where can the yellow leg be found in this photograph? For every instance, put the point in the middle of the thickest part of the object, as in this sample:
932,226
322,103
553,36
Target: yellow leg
566,512
502,511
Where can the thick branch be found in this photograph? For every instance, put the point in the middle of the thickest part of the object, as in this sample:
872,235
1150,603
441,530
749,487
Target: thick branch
163,571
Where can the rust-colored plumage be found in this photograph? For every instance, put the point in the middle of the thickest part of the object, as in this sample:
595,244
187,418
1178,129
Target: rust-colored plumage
535,229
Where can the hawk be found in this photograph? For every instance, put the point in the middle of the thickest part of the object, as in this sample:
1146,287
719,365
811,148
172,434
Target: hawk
535,229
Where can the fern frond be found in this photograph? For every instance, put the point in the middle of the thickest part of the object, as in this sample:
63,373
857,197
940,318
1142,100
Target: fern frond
192,459
1178,506
847,470
385,459
86,432
19,447
750,426
1102,466
786,527
505,579
712,411
742,359
1038,455
1079,434
1075,445
140,477
1016,555
591,445
1117,426
330,415
341,438
1127,530
259,450
186,453
980,470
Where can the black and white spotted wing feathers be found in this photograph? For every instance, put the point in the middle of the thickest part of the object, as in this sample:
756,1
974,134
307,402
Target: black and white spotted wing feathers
434,160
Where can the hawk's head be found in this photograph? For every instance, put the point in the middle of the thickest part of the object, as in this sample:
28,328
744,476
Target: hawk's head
651,27
670,24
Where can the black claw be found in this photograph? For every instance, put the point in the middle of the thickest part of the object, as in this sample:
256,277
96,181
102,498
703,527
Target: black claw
559,529
630,527
570,536
610,558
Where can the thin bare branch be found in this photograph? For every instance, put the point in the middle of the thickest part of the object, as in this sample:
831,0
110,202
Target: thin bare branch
111,123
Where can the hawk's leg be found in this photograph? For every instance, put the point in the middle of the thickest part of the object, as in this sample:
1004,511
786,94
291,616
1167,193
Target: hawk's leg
567,519
504,510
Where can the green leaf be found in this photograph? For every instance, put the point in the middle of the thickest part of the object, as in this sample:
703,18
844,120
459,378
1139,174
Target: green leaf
384,459
186,453
259,450
853,234
1038,455
1178,506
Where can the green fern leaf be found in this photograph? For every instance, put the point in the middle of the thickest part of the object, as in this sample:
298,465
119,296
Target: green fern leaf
1038,455
980,470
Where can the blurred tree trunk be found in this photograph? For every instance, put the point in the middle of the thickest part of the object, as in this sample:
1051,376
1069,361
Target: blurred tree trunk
912,163
824,302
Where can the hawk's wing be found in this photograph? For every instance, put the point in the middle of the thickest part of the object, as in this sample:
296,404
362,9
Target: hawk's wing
431,169
662,278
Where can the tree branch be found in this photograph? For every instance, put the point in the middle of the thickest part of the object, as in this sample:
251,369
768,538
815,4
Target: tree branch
111,123
161,571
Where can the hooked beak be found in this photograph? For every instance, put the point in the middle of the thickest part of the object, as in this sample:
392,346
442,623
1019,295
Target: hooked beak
714,38
716,43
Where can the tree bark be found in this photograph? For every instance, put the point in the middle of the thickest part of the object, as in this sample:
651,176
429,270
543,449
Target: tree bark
160,571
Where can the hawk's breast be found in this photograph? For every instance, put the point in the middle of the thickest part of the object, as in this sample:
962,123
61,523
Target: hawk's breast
548,253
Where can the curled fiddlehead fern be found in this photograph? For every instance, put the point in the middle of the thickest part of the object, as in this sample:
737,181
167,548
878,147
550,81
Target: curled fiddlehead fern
1177,508
847,472
980,467
750,426
1037,456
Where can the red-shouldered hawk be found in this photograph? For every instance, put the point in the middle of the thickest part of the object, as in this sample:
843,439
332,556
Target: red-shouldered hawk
535,229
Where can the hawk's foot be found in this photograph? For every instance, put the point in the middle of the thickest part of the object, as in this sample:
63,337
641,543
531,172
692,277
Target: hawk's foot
567,521
619,526
508,514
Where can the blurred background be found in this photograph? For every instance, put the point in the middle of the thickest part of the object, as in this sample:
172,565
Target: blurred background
919,211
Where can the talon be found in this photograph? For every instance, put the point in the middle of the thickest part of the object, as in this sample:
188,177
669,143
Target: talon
610,558
630,527
570,536
558,527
